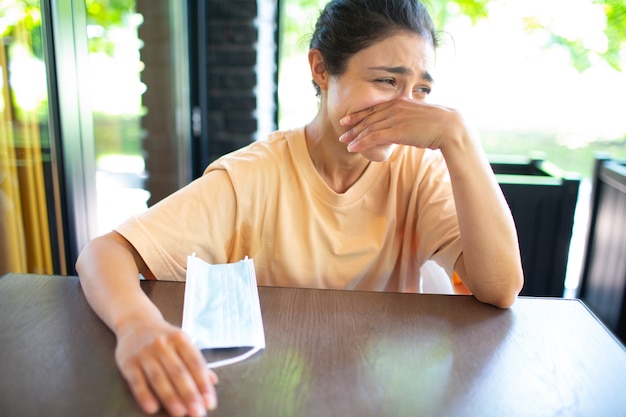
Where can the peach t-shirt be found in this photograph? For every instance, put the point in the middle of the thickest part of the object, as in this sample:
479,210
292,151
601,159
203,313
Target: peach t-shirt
268,202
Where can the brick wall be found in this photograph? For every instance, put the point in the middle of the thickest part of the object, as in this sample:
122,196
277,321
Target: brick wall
158,124
231,58
223,52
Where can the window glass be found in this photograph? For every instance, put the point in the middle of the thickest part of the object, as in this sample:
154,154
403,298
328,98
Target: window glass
138,88
25,181
116,93
297,103
509,72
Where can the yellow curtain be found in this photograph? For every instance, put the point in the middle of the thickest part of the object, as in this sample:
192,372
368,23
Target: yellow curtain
24,233
12,254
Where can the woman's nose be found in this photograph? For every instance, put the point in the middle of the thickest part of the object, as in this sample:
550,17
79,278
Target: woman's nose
406,93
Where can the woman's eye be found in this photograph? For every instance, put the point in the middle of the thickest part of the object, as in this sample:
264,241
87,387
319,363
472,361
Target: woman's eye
422,91
388,81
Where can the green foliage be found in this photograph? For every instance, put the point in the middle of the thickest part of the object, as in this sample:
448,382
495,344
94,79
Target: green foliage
25,17
475,9
442,10
107,14
579,55
297,18
578,160
615,31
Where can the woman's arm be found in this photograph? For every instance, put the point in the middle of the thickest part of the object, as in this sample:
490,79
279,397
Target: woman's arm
156,358
490,265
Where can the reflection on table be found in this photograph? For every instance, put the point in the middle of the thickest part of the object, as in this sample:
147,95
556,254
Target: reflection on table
328,353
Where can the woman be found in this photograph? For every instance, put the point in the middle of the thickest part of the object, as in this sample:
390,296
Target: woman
379,182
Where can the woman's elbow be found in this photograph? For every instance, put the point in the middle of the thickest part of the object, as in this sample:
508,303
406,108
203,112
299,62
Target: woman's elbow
506,293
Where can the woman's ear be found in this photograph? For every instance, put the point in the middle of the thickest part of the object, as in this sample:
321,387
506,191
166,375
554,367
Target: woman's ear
318,69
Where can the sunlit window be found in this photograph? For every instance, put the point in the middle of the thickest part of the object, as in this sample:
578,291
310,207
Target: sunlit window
116,102
26,196
509,73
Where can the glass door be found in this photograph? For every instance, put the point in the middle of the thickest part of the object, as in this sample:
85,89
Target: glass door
28,187
94,122
138,89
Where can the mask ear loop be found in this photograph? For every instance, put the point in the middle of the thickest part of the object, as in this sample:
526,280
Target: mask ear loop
235,359
189,307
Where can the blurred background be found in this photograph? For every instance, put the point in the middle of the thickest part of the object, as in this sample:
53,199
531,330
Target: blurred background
110,105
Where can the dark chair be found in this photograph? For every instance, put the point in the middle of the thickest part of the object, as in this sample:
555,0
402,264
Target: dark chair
543,200
603,278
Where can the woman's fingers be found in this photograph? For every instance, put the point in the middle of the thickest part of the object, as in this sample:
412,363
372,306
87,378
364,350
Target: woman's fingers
162,386
161,365
374,126
354,118
401,121
140,389
374,132
179,387
204,378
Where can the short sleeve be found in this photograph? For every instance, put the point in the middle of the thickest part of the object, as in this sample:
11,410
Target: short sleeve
437,223
199,218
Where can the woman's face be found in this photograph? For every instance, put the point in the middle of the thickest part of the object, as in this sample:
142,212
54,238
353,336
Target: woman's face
398,66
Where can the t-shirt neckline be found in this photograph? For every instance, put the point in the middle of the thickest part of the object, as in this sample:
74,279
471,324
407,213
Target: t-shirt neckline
300,153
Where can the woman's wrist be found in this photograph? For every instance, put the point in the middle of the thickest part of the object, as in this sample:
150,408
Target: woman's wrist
127,320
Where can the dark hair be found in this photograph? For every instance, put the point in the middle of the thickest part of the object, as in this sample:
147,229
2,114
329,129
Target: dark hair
346,27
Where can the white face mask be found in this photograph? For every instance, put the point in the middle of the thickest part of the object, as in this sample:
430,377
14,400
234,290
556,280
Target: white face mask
221,307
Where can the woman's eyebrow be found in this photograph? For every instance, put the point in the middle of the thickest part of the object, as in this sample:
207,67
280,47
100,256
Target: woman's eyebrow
404,71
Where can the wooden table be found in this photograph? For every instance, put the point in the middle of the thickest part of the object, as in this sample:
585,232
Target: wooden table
329,353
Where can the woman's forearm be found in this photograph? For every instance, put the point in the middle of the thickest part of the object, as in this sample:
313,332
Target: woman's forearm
490,265
109,275
157,359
